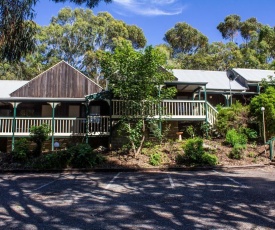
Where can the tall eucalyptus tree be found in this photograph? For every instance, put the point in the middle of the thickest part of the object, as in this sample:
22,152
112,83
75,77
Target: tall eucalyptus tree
17,29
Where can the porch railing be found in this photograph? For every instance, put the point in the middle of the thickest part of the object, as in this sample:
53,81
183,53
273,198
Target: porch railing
100,125
179,108
97,125
169,109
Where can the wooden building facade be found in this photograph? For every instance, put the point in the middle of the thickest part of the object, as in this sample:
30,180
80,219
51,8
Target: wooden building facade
66,100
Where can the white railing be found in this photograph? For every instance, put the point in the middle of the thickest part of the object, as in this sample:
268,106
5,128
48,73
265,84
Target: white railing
169,109
99,125
211,114
62,126
166,108
180,108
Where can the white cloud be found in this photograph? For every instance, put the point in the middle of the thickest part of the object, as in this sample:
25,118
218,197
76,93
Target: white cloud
149,7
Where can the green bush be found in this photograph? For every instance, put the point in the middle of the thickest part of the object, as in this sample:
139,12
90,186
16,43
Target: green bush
209,159
21,150
180,159
251,154
265,99
233,138
205,128
235,116
99,158
39,134
191,131
59,159
194,150
54,160
155,159
236,152
82,156
250,133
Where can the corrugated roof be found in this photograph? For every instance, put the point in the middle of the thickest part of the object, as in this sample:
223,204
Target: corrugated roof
217,80
8,86
254,75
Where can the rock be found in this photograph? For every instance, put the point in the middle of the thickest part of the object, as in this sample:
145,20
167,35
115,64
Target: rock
209,147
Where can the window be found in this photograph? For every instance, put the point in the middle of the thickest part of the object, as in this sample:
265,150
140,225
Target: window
94,110
74,111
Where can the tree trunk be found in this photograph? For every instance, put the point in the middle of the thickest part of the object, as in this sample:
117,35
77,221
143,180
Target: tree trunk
142,140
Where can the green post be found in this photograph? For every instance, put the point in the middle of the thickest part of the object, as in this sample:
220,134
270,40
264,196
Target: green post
160,127
258,88
14,104
271,146
110,124
53,105
227,101
271,149
87,122
53,125
206,110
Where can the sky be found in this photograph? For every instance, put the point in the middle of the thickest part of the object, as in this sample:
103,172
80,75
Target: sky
156,17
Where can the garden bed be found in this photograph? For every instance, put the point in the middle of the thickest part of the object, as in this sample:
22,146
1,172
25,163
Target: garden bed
254,154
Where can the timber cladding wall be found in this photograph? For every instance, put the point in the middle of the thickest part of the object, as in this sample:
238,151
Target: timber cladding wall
60,81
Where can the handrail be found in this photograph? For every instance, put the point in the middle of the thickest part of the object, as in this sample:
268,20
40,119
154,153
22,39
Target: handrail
212,107
212,114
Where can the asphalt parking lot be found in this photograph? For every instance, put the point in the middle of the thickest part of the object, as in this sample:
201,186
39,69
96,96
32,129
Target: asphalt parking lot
231,199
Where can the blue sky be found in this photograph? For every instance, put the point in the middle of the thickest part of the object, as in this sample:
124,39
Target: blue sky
155,17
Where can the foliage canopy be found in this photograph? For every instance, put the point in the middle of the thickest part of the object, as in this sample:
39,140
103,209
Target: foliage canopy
136,78
17,29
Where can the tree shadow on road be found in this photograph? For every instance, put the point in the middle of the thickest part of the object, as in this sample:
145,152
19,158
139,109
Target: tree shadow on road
178,200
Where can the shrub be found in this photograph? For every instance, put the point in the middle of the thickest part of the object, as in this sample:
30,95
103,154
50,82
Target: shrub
21,150
209,159
99,158
266,99
235,116
74,140
191,131
233,138
250,133
148,144
205,128
194,150
251,154
54,160
77,157
155,159
39,134
82,156
236,152
180,159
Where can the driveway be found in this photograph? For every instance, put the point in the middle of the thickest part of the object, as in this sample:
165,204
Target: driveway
236,199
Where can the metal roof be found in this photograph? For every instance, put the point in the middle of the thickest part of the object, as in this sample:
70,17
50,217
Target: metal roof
254,75
8,86
216,80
